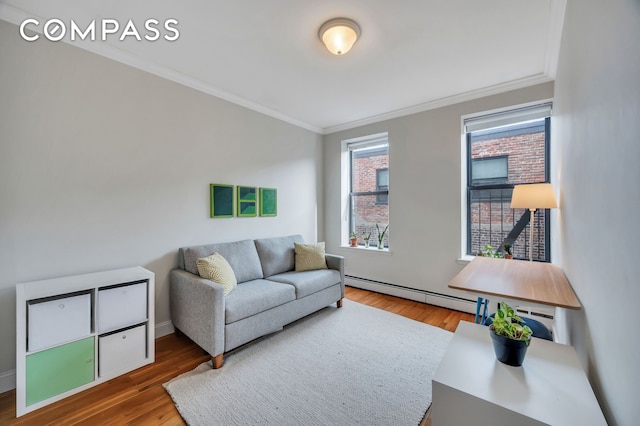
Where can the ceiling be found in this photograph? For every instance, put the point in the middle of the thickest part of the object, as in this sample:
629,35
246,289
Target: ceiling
413,55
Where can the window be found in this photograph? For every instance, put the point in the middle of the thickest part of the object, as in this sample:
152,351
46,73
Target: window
368,187
489,170
382,184
503,150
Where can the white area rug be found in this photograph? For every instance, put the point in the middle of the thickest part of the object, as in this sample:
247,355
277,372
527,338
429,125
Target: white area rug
353,365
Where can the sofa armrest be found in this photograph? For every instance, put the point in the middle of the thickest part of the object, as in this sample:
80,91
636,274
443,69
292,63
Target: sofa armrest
197,309
336,262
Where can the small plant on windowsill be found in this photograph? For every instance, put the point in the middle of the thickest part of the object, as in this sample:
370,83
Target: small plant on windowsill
366,237
353,239
508,251
488,251
381,236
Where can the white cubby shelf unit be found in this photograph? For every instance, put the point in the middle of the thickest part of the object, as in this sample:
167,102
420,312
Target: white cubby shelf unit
76,332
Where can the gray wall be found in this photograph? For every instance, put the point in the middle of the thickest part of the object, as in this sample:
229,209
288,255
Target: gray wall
596,135
425,194
103,166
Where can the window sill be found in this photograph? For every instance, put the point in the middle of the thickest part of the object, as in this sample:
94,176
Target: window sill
465,259
363,249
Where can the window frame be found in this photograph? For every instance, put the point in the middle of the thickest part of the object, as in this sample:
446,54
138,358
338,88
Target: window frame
347,183
466,180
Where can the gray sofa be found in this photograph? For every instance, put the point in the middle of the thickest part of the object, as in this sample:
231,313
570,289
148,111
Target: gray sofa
269,295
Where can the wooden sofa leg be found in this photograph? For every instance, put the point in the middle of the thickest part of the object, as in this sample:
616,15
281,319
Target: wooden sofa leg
217,361
339,303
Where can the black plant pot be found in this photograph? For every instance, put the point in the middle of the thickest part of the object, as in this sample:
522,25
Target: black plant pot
509,351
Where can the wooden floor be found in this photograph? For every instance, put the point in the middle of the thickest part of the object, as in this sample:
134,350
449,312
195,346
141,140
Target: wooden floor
139,398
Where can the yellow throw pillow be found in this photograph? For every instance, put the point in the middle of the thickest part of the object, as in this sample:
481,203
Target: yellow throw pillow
310,256
217,269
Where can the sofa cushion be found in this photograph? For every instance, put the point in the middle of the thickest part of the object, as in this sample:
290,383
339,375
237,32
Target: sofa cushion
241,255
253,297
217,269
277,254
309,257
309,282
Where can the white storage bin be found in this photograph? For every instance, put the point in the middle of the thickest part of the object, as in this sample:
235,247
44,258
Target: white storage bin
58,320
122,351
120,307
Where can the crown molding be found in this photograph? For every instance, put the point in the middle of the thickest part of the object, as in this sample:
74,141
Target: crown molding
443,102
556,23
16,16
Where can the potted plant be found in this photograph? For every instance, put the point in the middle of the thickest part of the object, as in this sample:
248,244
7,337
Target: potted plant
366,239
488,251
510,336
508,254
381,236
353,240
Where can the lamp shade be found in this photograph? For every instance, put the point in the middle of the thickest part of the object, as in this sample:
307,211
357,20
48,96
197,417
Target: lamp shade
533,196
339,35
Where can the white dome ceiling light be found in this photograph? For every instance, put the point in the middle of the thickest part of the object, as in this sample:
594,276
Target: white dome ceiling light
339,35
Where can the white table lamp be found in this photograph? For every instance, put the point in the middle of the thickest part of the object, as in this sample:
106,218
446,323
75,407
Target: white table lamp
533,196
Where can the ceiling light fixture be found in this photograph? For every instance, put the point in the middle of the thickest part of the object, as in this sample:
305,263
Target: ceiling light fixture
339,35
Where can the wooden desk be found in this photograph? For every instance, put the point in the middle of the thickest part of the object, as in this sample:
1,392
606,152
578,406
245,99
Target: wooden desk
536,282
471,387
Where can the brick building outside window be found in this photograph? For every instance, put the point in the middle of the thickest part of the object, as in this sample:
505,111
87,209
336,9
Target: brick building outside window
369,190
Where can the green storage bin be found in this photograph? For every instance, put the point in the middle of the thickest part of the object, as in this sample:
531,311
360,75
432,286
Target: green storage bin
57,370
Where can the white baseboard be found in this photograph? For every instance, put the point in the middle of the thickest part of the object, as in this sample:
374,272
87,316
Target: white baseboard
8,378
7,381
423,296
164,328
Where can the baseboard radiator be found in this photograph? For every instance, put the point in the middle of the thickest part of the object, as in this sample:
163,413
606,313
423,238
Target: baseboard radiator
424,296
540,314
546,316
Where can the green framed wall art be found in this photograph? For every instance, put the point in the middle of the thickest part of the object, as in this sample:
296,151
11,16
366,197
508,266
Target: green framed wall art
221,200
268,202
247,201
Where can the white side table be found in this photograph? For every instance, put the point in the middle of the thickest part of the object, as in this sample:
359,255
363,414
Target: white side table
471,387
